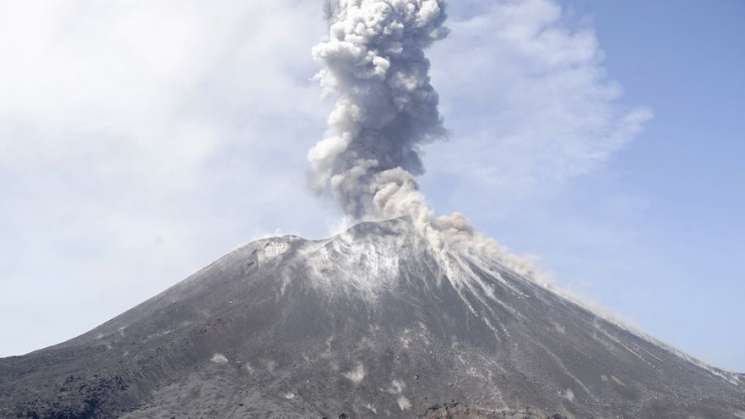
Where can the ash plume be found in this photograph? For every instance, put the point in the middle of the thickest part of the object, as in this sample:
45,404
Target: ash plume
386,109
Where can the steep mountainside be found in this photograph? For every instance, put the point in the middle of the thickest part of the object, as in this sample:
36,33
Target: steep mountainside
372,322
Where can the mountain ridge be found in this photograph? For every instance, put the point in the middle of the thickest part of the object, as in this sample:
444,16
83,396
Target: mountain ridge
372,321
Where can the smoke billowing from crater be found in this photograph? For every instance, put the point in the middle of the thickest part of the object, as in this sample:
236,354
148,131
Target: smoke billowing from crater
374,61
386,109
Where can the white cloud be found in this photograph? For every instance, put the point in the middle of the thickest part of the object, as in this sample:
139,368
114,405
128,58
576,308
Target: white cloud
527,99
140,140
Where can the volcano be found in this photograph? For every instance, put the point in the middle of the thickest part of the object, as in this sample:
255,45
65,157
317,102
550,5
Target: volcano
373,322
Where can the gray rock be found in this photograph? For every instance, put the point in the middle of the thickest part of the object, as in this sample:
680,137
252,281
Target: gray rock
368,323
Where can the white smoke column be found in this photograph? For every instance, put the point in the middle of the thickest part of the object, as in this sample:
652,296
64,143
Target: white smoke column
373,61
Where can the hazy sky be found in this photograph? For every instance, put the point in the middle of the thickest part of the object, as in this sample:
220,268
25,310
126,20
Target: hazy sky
140,140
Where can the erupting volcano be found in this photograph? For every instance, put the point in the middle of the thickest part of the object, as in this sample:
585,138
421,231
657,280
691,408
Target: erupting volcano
404,314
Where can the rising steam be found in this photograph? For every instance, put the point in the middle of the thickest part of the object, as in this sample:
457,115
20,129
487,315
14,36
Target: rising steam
386,110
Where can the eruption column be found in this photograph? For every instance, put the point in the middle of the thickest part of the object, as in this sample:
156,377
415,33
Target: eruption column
386,109
373,61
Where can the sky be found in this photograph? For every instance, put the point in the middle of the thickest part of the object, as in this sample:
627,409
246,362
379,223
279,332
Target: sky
141,140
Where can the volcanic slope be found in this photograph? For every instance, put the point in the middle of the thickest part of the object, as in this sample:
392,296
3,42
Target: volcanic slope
371,322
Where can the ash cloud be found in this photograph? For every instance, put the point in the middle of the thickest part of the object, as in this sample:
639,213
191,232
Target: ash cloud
373,61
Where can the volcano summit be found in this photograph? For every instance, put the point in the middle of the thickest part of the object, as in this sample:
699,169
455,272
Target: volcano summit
372,322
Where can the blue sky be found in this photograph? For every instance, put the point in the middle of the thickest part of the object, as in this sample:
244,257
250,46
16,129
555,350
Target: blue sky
687,169
657,234
139,142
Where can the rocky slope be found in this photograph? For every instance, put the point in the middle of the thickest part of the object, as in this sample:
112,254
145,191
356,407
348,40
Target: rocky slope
372,322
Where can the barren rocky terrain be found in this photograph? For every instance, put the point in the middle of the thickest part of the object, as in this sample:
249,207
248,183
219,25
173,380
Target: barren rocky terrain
373,322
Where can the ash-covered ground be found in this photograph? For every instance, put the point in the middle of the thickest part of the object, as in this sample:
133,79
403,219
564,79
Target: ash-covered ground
374,322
